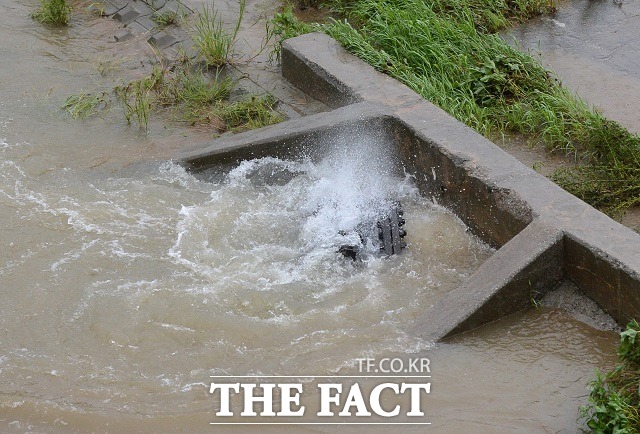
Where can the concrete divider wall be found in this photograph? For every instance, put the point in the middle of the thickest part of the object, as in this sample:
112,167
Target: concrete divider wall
545,234
312,137
606,280
516,275
492,213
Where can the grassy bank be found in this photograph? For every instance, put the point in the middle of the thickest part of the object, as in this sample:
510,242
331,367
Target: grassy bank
448,52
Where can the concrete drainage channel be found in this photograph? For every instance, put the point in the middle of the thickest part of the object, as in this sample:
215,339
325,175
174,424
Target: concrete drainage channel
544,235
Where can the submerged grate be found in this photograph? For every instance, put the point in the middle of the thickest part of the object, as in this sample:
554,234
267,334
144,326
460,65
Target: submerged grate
391,235
391,232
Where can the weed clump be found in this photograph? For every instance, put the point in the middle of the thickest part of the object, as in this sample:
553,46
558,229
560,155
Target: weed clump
193,96
164,19
212,40
136,96
283,26
446,51
83,105
614,401
52,12
253,112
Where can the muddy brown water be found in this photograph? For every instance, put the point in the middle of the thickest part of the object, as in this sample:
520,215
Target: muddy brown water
125,282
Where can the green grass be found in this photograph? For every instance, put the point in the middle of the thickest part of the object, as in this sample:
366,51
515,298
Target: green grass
164,19
446,51
253,112
283,26
211,38
193,95
192,88
83,105
200,100
614,401
190,95
52,12
137,96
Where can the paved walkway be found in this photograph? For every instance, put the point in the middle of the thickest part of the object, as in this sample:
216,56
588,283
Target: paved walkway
256,74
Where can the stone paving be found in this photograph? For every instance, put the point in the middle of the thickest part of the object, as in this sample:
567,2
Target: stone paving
137,17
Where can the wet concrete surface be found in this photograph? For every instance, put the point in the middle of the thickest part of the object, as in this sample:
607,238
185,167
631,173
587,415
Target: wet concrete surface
594,47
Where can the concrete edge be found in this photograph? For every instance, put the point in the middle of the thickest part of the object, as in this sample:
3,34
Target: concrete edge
523,270
314,80
283,139
319,66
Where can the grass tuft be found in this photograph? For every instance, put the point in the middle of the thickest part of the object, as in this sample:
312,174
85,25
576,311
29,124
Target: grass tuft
136,96
250,113
83,105
212,40
194,95
52,12
164,19
283,26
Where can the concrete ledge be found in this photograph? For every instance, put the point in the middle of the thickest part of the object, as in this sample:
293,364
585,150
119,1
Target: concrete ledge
335,77
307,137
523,270
315,81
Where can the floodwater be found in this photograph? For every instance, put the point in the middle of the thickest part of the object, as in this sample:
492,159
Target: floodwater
126,282
594,47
